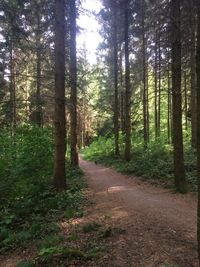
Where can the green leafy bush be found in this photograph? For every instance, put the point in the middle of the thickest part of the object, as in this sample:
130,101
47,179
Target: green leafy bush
25,162
29,206
154,162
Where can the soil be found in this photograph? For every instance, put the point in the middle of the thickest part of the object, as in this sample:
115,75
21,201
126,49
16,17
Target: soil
141,225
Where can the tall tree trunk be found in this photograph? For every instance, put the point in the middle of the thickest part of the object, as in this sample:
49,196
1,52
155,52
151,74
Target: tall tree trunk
12,92
73,83
198,127
144,77
185,95
127,85
84,121
159,80
59,117
179,169
122,111
193,73
156,87
27,96
169,103
38,75
115,60
147,96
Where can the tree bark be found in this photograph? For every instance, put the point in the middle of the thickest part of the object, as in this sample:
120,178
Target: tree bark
127,86
73,83
169,106
193,74
179,169
186,102
159,80
38,75
156,87
198,127
122,111
12,92
59,117
115,60
145,134
147,101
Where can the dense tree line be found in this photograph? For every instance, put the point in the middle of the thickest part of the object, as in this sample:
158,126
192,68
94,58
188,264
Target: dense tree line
156,82
147,79
152,61
35,48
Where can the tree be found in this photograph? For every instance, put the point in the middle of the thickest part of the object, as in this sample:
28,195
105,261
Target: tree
156,86
115,62
145,91
12,89
59,117
12,31
127,84
179,169
38,72
73,83
193,70
198,127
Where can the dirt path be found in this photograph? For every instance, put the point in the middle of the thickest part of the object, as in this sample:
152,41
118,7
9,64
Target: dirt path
159,227
140,225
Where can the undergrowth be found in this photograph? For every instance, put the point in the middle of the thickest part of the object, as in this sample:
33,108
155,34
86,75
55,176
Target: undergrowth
155,162
29,206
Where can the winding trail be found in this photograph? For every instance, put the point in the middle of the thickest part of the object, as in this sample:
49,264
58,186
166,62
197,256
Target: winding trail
158,226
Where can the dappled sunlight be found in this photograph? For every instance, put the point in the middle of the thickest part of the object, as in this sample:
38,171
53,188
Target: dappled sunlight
99,112
118,188
77,221
114,189
73,222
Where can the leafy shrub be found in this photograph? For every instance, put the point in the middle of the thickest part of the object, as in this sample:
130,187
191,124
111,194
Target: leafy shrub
26,163
101,147
47,254
29,205
154,162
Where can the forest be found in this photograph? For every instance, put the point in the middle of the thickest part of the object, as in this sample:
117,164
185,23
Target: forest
100,133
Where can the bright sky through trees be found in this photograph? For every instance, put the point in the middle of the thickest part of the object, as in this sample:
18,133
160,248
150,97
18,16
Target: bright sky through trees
89,34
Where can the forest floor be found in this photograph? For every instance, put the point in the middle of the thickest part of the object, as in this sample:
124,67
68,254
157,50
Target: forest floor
158,226
126,222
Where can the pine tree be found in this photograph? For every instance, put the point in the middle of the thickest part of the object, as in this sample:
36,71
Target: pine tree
115,62
73,83
179,169
127,84
198,127
60,123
